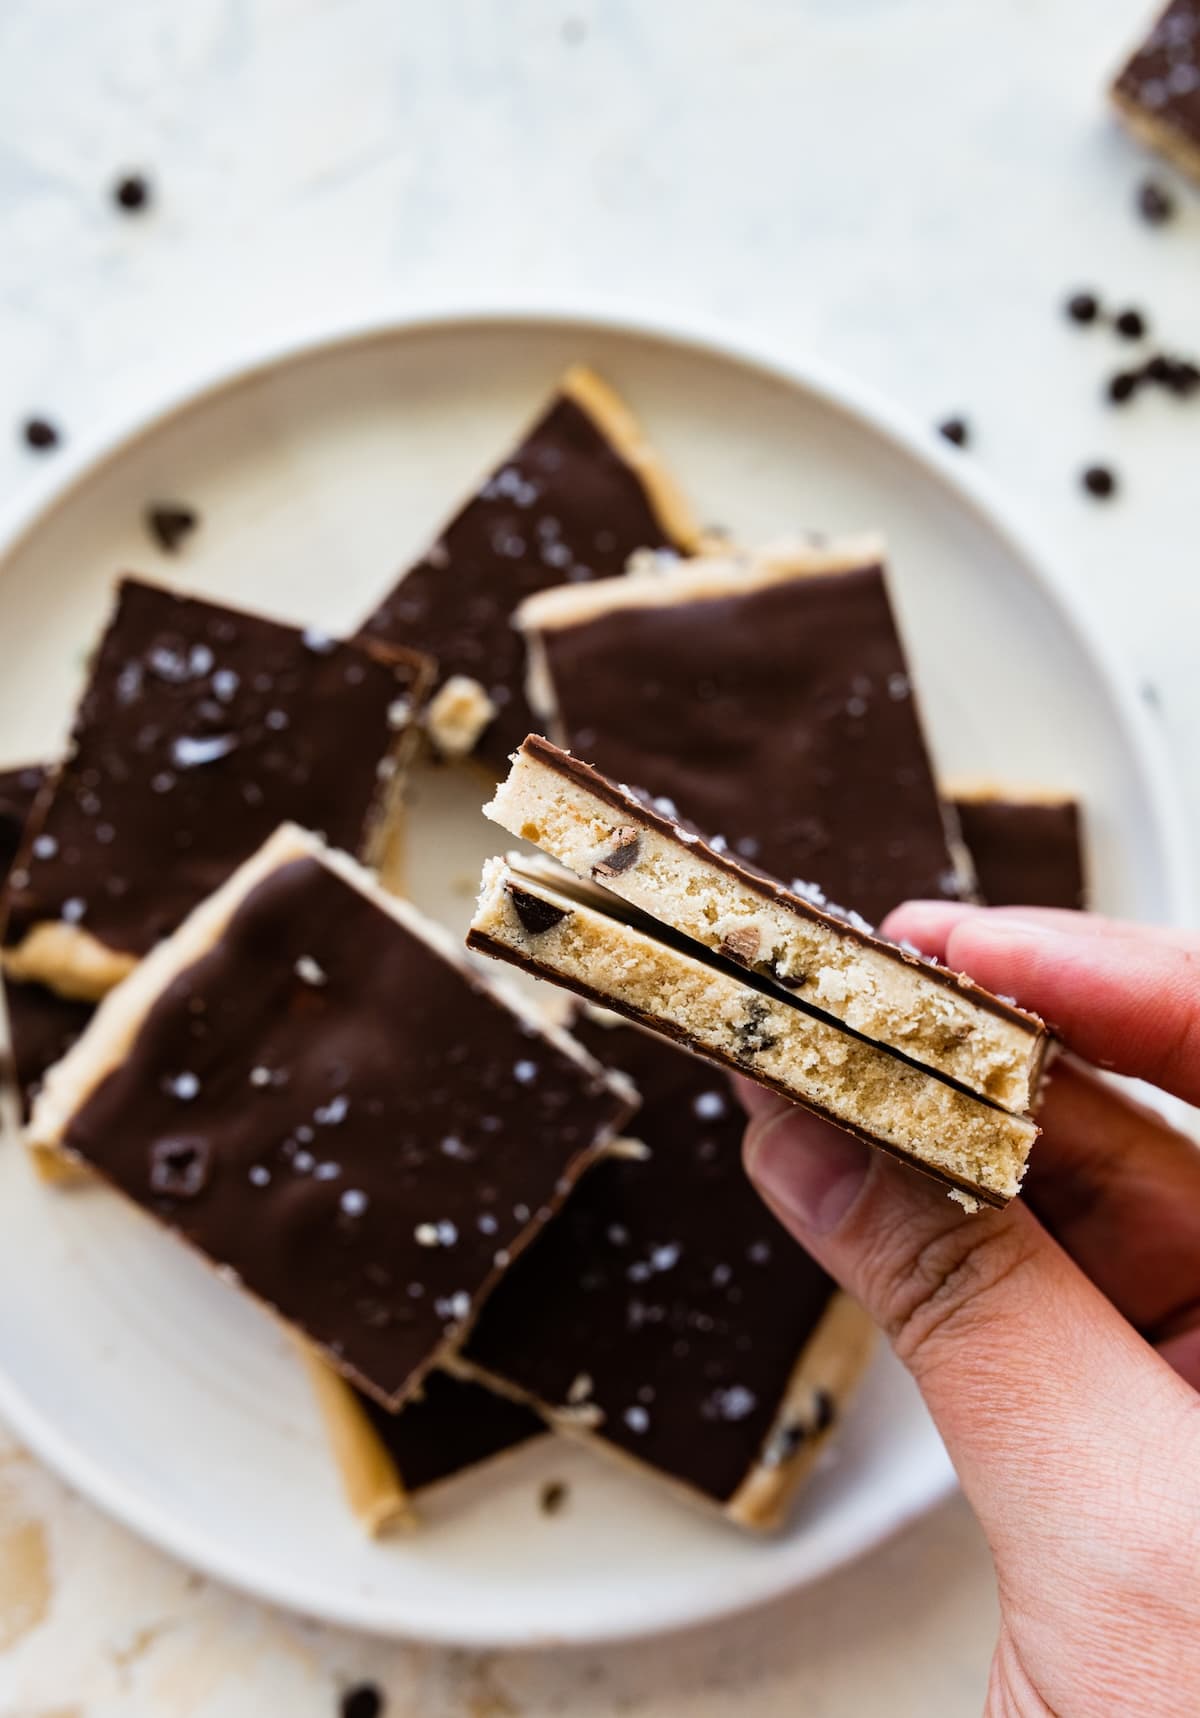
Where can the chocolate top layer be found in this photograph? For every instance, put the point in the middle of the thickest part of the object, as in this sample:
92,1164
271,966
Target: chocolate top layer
347,1120
665,1294
18,790
1026,854
564,506
451,1426
780,720
201,730
1163,76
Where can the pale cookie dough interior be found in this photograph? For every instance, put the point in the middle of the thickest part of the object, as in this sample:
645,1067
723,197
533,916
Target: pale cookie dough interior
744,1025
872,986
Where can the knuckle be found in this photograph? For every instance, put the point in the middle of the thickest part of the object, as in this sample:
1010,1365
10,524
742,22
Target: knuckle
934,1288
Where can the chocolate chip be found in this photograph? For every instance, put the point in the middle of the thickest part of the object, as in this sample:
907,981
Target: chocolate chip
1123,386
1159,369
1130,325
364,1700
537,915
40,434
824,1412
955,430
1155,203
752,1038
1184,379
552,1497
1100,481
740,944
623,856
169,523
1083,307
132,193
179,1167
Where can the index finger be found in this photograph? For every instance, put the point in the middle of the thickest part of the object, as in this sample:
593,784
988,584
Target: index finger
1125,1001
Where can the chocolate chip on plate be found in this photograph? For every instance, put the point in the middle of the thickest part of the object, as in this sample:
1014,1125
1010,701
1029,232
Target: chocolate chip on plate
955,430
169,523
1124,385
1100,481
1155,203
132,193
40,434
1130,325
1083,307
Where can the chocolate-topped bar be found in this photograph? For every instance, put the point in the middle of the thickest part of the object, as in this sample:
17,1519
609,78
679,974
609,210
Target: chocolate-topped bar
202,728
309,1084
667,1314
388,1461
573,500
765,699
42,1026
588,941
1027,852
604,833
1158,91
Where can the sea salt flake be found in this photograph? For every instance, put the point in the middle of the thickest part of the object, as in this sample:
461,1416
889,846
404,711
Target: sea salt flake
353,1202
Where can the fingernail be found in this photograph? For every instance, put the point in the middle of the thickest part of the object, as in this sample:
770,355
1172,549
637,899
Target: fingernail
810,1171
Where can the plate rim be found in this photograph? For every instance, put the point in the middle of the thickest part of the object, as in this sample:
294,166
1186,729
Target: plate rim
148,411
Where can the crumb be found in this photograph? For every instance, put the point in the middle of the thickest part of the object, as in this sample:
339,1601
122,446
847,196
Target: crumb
1155,203
552,1497
955,430
169,523
40,434
132,193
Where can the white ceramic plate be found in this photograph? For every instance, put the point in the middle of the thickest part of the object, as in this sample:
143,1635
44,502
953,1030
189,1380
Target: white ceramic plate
158,1391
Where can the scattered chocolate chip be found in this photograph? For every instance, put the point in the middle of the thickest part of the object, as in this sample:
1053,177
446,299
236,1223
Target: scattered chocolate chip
1159,369
752,1037
623,856
955,430
1183,378
169,524
1155,203
1130,325
364,1700
131,193
1123,386
179,1167
552,1497
1083,307
1100,481
40,434
740,944
537,915
824,1412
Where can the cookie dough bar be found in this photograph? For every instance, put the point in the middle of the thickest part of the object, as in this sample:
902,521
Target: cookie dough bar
767,700
202,728
573,500
389,1461
42,1026
309,1085
1157,92
748,1025
666,1316
604,833
1028,851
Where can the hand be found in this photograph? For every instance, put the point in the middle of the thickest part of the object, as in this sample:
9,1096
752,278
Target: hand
1056,1343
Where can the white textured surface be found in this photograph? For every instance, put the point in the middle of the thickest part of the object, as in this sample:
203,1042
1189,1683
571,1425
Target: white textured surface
906,187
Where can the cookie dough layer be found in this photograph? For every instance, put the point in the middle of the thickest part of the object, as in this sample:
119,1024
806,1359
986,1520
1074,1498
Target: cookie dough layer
666,1316
746,1025
766,699
1028,852
387,1461
309,1085
1158,92
579,494
602,832
202,728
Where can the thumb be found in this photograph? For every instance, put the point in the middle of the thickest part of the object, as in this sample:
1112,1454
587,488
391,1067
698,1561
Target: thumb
1039,1388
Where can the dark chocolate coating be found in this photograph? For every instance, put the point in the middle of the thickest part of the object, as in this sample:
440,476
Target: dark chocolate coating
361,1130
666,1282
1163,76
780,720
1026,854
451,1426
201,730
563,506
42,1026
